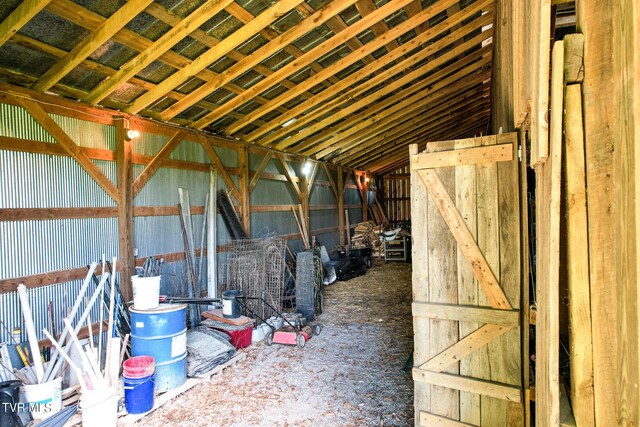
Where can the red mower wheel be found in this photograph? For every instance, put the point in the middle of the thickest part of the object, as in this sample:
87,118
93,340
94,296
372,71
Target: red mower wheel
269,338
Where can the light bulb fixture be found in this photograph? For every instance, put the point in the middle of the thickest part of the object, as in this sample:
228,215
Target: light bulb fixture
306,168
366,179
132,134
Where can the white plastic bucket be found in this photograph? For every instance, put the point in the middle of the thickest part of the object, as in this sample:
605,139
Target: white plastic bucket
99,407
43,399
146,292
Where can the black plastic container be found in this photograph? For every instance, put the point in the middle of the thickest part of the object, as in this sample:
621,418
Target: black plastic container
230,305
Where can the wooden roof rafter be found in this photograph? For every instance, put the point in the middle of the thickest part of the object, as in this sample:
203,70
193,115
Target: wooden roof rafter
460,120
290,68
19,17
369,48
348,83
443,81
431,119
344,110
255,58
347,96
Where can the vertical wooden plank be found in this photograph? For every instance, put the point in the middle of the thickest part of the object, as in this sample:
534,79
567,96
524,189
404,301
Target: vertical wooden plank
476,364
626,94
443,289
580,346
510,275
365,189
595,22
245,192
420,283
548,194
126,263
493,410
540,47
341,205
502,79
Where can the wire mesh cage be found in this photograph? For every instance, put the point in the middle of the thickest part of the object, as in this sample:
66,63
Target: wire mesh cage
256,267
309,284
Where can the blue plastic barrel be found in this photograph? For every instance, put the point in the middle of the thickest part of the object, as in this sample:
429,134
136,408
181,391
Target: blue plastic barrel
162,333
138,394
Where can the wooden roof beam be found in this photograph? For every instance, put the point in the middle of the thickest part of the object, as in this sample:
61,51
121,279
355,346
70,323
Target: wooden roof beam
447,103
166,16
164,43
401,159
429,127
446,130
404,112
89,44
365,7
339,65
345,110
398,119
347,95
431,130
19,17
394,160
337,24
441,80
91,21
76,93
414,8
447,107
245,17
213,54
300,62
425,120
255,58
384,106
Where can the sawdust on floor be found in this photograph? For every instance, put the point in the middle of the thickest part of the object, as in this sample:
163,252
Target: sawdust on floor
349,375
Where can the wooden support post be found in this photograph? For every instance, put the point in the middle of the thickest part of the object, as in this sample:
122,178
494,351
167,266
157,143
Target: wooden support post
126,263
245,191
304,202
365,191
340,205
626,99
548,193
596,23
580,346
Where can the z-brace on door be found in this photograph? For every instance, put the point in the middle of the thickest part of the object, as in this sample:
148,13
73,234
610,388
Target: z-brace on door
465,209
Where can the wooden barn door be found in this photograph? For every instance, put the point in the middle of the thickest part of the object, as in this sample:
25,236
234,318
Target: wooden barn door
465,203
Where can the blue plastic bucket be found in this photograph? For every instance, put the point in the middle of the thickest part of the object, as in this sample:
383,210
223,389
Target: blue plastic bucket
138,394
162,333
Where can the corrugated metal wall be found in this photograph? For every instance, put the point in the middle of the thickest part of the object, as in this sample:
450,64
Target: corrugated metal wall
30,180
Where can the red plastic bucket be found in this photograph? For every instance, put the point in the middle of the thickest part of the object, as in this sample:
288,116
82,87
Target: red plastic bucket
138,367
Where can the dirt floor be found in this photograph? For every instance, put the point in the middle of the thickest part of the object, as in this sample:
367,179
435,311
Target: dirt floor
349,375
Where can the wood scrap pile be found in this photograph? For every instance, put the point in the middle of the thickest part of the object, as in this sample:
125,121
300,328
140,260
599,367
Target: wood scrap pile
367,234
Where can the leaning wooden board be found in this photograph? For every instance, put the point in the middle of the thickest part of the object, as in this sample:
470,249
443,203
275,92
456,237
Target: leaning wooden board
217,315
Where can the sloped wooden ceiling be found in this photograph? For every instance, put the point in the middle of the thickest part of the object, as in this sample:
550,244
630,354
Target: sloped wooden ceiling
347,81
